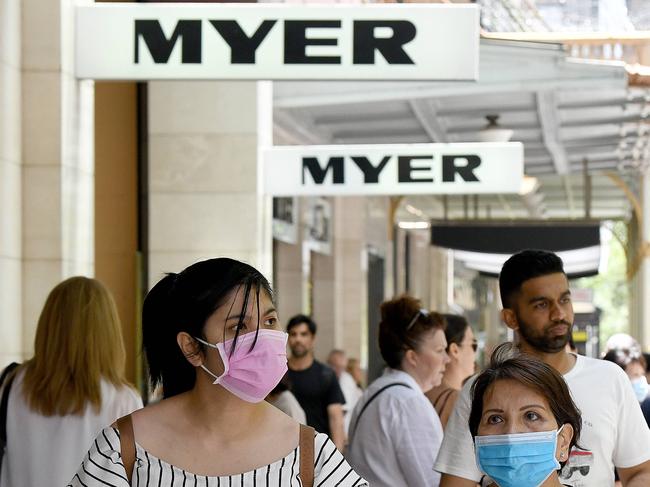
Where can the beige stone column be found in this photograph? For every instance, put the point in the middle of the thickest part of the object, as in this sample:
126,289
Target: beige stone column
419,278
57,155
440,276
640,284
339,293
10,184
288,280
204,193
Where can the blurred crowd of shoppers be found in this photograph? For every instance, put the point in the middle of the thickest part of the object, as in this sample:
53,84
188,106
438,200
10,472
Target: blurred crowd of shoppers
236,410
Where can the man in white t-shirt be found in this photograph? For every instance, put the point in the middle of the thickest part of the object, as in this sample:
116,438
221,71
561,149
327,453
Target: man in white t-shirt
537,305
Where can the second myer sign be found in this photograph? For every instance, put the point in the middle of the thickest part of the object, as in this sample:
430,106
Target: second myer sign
274,41
473,168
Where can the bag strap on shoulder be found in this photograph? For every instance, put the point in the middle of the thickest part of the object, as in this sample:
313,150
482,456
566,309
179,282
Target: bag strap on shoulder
8,377
124,426
441,402
8,370
307,435
353,428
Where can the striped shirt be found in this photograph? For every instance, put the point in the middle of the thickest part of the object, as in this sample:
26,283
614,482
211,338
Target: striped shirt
103,467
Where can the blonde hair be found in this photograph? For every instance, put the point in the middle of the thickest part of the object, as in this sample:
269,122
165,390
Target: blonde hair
78,343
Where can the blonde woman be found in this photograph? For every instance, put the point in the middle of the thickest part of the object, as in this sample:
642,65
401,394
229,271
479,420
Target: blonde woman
72,387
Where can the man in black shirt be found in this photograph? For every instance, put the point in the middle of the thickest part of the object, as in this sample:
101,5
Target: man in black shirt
314,384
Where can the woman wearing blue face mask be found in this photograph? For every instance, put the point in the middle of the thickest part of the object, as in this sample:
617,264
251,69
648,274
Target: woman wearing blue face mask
212,340
523,421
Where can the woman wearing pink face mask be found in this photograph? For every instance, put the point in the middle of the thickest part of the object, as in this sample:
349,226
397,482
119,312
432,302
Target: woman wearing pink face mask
212,340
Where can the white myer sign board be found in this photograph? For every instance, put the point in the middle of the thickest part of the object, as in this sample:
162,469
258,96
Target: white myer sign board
131,41
472,168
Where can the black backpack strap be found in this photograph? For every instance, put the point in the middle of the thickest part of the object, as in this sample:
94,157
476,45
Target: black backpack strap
372,398
6,379
8,370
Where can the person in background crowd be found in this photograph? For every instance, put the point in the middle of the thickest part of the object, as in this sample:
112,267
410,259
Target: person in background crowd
634,365
72,387
211,335
351,392
314,384
283,399
537,305
354,369
523,421
646,356
622,341
461,348
394,432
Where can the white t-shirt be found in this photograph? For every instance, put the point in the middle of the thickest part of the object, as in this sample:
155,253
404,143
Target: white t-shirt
614,432
396,440
48,450
351,393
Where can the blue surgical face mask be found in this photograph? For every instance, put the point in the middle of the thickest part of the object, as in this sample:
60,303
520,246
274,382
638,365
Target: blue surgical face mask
519,459
641,388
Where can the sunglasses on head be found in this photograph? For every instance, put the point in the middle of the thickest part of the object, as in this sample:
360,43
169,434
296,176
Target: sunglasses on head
422,312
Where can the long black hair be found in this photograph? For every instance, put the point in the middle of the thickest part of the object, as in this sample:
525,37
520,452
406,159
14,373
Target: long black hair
182,303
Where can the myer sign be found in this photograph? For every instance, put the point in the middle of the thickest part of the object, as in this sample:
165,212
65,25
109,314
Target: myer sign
471,168
276,41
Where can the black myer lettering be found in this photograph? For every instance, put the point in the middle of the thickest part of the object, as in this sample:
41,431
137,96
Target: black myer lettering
392,48
405,169
466,171
242,47
370,171
296,41
161,48
318,173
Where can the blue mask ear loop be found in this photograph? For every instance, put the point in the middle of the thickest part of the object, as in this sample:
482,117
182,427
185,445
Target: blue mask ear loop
224,359
557,434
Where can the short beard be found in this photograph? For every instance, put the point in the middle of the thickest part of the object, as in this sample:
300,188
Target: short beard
302,353
544,343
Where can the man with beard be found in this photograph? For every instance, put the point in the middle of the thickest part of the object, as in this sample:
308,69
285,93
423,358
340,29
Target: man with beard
314,384
537,305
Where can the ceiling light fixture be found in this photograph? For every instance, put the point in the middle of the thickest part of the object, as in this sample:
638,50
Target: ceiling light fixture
529,184
414,225
493,132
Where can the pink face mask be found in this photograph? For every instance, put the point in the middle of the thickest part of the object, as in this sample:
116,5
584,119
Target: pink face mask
252,374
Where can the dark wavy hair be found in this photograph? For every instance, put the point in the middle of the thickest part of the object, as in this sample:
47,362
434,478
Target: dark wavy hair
182,303
507,363
396,337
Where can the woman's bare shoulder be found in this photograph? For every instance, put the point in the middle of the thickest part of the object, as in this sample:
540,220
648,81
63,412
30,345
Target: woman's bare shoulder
166,415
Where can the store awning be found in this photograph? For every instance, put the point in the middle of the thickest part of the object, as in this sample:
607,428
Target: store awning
484,247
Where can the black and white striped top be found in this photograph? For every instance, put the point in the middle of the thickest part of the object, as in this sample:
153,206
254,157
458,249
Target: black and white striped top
103,467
